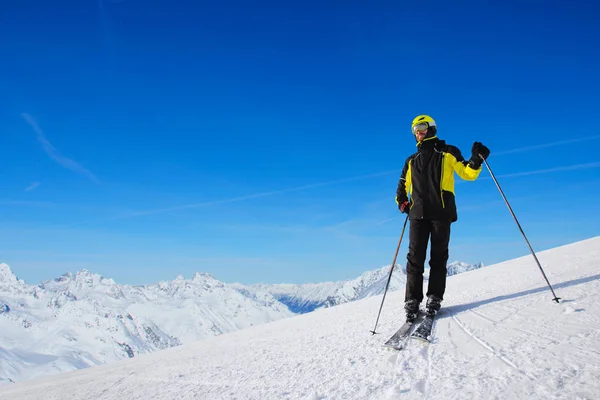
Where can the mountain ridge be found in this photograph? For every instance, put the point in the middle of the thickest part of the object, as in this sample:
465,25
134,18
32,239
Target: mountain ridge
82,319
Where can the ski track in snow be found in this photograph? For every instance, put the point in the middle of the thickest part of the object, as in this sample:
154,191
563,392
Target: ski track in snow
498,336
491,349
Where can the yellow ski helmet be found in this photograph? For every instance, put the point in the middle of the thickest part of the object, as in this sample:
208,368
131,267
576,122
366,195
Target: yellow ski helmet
421,119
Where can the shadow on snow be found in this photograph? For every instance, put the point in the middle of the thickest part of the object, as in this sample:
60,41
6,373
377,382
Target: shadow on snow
467,306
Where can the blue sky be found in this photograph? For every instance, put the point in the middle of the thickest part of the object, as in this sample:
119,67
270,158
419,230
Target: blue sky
262,141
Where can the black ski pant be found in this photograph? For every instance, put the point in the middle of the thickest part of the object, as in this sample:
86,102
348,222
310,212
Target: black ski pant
421,230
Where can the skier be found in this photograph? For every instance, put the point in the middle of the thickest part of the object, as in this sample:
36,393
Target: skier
428,178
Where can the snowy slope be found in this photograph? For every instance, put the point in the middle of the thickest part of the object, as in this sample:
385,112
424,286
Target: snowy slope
309,297
84,319
499,335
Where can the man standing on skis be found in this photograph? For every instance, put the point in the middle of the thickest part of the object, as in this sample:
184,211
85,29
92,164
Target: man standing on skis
426,194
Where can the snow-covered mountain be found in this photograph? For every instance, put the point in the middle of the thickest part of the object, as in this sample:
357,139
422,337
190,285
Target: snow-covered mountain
309,297
83,319
498,335
458,267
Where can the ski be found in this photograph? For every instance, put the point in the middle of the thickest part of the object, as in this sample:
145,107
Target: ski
423,331
398,339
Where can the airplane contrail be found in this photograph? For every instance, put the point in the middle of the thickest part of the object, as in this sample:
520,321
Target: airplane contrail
368,176
556,169
53,153
545,145
253,196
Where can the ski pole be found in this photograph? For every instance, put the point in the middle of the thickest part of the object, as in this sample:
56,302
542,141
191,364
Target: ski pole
390,276
521,229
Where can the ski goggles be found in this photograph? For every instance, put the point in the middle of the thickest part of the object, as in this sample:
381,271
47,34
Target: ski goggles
422,127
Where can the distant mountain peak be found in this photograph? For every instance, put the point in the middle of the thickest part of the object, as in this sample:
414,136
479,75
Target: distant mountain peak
6,274
203,276
81,279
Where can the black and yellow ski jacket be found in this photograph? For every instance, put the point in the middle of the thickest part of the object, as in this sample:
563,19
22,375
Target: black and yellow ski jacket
427,180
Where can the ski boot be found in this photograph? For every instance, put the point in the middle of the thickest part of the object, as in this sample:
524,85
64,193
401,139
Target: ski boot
411,307
434,303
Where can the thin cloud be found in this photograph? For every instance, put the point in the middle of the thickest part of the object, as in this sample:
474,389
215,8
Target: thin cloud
385,221
328,183
545,145
594,164
53,153
27,203
545,171
356,178
252,196
32,186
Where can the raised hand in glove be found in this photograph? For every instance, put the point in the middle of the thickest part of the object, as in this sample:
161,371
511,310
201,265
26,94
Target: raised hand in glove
404,207
477,150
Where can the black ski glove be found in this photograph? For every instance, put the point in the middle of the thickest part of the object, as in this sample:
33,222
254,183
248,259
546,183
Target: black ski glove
477,149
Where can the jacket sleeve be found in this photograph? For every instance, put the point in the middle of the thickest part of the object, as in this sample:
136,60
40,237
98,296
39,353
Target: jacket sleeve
461,166
404,183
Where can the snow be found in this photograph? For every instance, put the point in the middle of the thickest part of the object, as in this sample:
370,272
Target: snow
84,319
498,335
6,275
309,297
